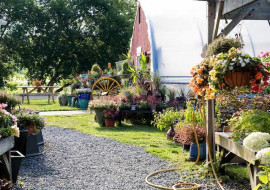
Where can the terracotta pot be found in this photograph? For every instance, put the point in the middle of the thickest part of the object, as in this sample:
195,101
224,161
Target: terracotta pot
239,79
109,122
36,83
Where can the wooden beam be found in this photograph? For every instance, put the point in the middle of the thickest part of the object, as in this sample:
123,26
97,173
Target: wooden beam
210,103
240,16
219,15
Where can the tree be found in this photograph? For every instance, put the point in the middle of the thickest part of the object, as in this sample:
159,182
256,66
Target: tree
58,38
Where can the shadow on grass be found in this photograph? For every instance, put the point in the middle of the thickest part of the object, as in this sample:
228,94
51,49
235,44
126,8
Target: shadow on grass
130,128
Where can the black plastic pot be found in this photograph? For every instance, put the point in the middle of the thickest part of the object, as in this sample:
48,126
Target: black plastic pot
40,138
16,160
27,144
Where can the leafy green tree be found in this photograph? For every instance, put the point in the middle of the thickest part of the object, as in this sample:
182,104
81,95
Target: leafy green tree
58,38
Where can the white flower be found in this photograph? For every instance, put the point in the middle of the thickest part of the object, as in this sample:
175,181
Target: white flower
243,64
257,141
231,63
16,131
246,60
264,156
234,59
230,67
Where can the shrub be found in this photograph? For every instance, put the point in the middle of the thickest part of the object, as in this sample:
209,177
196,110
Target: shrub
222,45
167,118
249,121
9,99
185,135
96,70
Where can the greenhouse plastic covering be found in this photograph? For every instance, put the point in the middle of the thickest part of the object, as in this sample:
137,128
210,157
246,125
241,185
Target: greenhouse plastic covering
178,32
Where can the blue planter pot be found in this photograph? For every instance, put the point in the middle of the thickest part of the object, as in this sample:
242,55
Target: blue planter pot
194,153
83,100
70,100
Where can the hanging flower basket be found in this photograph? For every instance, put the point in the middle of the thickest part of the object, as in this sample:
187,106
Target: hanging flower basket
237,79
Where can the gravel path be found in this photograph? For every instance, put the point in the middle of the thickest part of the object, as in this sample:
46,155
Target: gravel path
72,160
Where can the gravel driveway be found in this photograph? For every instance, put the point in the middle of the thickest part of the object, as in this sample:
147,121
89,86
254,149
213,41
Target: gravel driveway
72,160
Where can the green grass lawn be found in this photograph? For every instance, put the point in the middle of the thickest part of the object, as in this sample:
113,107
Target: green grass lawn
150,138
42,105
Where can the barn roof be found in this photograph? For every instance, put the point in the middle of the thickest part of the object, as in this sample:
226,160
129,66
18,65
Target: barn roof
178,32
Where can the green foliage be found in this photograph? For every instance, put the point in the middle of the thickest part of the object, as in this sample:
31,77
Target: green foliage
166,119
222,45
144,105
192,116
9,99
125,68
55,39
171,93
139,75
7,132
249,121
264,177
157,81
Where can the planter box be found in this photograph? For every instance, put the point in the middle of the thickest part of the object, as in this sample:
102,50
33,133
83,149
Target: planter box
16,160
40,138
27,144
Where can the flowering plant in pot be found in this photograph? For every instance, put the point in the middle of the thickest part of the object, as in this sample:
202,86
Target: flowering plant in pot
31,122
101,104
8,123
110,116
83,97
235,69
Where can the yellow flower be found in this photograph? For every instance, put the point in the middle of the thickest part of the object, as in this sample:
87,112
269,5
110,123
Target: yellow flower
213,78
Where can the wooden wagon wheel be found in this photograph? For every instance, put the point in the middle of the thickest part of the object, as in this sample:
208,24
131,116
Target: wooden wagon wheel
105,86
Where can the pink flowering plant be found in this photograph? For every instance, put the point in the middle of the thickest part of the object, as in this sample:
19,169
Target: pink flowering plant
8,123
105,103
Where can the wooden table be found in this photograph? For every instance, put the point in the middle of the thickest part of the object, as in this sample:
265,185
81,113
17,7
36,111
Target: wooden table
5,160
45,91
229,149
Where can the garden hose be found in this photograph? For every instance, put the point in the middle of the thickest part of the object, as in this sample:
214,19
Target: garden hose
179,186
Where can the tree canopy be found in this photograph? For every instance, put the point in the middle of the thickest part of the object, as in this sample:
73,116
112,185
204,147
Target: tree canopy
58,38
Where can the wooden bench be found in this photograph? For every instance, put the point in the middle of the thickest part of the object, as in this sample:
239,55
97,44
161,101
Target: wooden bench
229,149
50,93
6,144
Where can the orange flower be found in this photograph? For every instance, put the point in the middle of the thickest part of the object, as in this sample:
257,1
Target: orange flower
200,71
199,80
258,76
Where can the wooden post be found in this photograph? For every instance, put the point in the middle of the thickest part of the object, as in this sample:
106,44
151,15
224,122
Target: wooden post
210,103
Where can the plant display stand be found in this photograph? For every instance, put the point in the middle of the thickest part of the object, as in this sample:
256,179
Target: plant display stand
5,160
229,149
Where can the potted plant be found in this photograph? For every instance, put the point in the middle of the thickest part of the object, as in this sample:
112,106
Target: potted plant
63,99
83,97
110,116
186,137
235,69
29,124
101,104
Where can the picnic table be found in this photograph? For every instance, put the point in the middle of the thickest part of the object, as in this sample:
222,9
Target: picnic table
44,91
229,149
